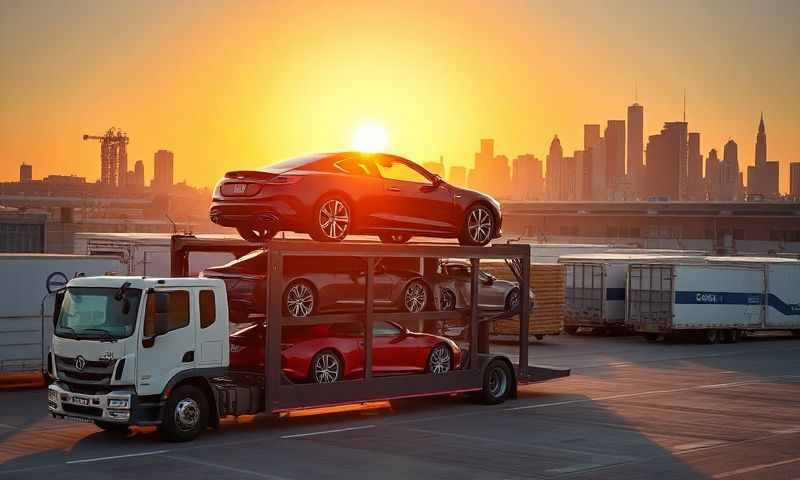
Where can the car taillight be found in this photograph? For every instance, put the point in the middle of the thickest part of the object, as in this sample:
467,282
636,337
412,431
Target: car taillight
239,189
285,180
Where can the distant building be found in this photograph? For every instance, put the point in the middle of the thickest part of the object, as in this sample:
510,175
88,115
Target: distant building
64,180
21,231
582,181
527,182
666,162
636,146
163,168
586,164
568,173
25,172
554,161
436,168
596,157
615,151
458,176
794,180
138,174
695,186
712,178
763,177
730,175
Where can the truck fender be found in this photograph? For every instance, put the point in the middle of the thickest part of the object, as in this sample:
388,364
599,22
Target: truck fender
200,378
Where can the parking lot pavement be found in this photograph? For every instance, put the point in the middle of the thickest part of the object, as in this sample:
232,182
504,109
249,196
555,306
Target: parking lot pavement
629,410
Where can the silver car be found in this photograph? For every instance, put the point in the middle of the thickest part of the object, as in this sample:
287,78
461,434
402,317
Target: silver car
450,285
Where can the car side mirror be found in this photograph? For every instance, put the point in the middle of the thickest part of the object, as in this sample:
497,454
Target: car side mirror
59,299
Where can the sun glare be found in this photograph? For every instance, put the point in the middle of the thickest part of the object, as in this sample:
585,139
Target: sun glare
369,137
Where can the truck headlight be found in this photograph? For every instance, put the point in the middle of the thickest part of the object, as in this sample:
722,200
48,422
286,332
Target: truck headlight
117,403
52,396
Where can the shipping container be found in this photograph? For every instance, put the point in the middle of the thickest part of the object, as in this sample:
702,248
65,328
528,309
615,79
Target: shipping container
595,287
720,299
26,282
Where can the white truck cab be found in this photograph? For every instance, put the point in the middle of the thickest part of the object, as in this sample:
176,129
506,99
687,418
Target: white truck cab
122,346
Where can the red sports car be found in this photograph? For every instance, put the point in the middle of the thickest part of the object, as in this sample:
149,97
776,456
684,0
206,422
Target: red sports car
332,195
333,352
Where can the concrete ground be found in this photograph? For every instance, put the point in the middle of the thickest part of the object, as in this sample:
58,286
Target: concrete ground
629,410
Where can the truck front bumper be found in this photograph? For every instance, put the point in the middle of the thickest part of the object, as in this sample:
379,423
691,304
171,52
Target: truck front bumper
113,407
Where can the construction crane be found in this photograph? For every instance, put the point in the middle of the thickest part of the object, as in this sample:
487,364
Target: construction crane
113,156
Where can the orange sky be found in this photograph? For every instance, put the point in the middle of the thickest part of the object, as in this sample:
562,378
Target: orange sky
229,85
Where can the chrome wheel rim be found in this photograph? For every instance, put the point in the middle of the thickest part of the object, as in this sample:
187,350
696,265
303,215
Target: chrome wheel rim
479,225
440,360
326,368
415,297
300,300
498,382
513,300
447,300
334,219
187,414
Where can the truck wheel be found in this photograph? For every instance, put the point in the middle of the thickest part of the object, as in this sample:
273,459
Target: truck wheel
711,336
571,330
185,415
497,383
111,426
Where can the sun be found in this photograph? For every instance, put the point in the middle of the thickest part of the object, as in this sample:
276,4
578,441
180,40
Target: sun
369,137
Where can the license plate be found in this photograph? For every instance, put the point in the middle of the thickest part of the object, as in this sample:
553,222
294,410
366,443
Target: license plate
239,188
80,401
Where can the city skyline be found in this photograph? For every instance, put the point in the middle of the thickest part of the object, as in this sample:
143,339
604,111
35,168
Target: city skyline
277,81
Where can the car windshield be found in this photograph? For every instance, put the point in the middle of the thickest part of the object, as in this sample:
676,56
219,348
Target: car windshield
98,313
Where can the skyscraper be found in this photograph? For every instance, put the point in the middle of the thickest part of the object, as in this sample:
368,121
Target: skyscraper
138,174
712,179
794,180
527,178
763,178
730,175
25,173
162,170
636,146
615,151
597,160
554,160
761,143
666,162
458,176
695,169
584,164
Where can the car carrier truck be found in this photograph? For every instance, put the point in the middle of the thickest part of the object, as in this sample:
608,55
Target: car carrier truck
155,351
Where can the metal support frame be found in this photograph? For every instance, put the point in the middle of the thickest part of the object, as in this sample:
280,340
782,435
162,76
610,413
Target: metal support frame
281,395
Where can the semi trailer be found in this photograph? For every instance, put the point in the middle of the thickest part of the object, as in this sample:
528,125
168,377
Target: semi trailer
720,299
156,351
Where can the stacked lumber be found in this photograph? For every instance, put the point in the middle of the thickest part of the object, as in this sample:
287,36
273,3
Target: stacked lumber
547,283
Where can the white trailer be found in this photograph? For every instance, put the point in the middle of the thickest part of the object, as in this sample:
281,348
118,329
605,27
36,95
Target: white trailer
595,287
146,254
721,299
25,282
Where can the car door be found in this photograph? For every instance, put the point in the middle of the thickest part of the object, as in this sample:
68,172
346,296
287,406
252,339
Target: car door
393,350
413,201
361,180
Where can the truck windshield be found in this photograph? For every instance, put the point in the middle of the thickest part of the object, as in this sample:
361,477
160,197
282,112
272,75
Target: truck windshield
98,313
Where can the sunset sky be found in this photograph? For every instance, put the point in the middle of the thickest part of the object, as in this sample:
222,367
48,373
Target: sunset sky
234,85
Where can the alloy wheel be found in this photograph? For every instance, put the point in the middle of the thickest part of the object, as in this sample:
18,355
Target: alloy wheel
300,300
334,219
447,300
416,297
439,361
479,225
326,368
187,414
513,300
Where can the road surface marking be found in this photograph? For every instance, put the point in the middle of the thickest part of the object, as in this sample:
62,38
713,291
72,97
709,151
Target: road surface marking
620,364
787,431
754,468
240,471
574,468
115,457
325,432
687,447
649,392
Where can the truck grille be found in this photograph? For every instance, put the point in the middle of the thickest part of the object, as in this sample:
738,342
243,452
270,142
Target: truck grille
94,373
82,410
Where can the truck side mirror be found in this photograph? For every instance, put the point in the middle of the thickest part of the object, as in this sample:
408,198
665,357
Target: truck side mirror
59,299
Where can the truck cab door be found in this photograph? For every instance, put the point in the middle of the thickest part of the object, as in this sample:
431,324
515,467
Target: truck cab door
166,344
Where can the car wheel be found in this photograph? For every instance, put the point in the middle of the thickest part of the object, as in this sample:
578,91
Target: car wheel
299,299
512,300
447,300
256,235
478,226
571,330
497,383
112,427
185,415
415,297
439,360
394,237
326,367
332,220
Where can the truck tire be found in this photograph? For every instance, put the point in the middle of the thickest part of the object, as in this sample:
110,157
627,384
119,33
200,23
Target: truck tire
497,383
571,330
112,427
185,415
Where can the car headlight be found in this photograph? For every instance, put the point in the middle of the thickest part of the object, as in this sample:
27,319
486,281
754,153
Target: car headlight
117,403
